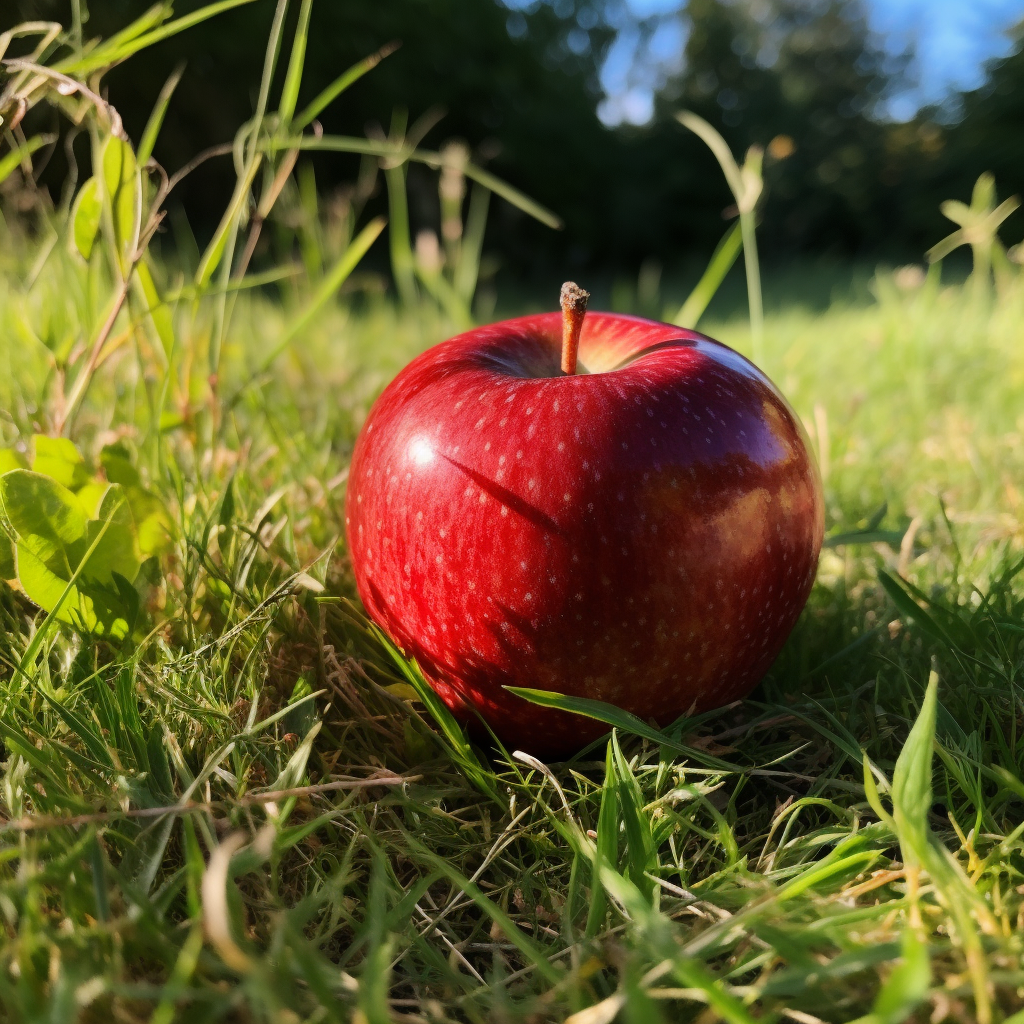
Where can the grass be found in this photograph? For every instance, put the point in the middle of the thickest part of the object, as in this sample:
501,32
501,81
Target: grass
247,809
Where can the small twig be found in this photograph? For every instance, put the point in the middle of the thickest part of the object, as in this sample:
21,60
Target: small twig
224,149
67,85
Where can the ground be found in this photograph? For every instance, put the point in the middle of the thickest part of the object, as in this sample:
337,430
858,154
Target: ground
185,837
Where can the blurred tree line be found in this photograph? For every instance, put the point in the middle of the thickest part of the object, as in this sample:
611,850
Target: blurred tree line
804,78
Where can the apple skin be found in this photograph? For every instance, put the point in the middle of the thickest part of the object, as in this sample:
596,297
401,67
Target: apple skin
645,533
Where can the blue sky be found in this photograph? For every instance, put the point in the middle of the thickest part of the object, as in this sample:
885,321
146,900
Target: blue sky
952,38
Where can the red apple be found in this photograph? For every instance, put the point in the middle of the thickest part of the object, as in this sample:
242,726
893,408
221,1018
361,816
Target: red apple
644,531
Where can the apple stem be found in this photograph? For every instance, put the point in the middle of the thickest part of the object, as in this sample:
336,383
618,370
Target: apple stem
573,300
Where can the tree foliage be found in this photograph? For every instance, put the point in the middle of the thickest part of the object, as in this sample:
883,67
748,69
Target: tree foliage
806,79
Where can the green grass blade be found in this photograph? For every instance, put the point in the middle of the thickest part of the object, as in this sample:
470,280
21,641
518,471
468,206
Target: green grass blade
293,78
912,779
332,281
693,974
637,827
606,848
12,161
228,222
910,609
403,264
618,719
720,264
148,20
509,194
460,748
513,933
714,141
326,97
156,118
468,271
95,61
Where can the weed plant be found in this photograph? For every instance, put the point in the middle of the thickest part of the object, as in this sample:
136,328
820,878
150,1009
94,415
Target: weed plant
226,798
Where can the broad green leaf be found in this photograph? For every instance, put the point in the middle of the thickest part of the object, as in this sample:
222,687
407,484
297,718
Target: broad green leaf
117,465
120,174
85,217
115,552
47,517
60,460
66,562
154,528
90,496
8,566
11,459
302,712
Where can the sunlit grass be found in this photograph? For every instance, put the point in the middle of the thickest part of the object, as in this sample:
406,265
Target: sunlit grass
251,809
359,896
